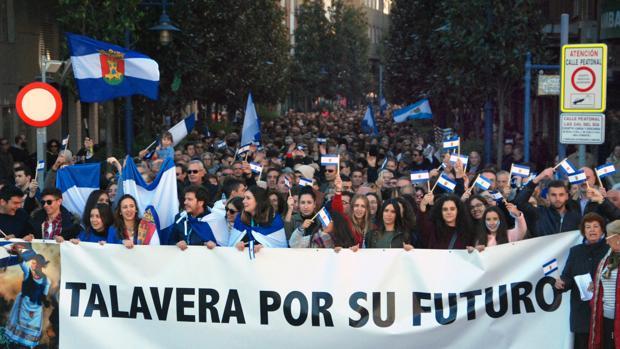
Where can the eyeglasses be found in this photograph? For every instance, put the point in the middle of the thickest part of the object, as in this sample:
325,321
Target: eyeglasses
192,171
231,211
330,171
477,206
47,202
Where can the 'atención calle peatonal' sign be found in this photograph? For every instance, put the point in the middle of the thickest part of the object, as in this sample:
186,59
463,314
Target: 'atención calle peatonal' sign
584,78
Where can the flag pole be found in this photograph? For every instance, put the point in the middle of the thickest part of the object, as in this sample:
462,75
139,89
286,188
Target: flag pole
150,145
428,185
559,163
434,186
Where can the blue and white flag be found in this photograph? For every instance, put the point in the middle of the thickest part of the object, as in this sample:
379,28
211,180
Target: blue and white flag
244,149
161,194
287,183
65,142
271,236
324,217
182,129
251,125
321,140
419,176
530,178
578,177
464,159
605,170
567,167
497,196
305,182
483,182
330,159
41,165
256,167
446,183
382,105
369,124
204,230
418,110
104,71
519,170
76,182
452,143
550,267
220,145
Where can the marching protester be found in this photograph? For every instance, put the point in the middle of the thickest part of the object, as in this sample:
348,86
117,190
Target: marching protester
184,233
128,228
14,220
53,221
96,222
495,227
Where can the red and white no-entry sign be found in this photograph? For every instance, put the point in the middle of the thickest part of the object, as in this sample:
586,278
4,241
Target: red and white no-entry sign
39,104
583,79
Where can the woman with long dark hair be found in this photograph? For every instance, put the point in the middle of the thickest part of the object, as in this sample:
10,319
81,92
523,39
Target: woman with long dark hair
476,205
129,229
495,230
257,225
446,225
390,232
96,227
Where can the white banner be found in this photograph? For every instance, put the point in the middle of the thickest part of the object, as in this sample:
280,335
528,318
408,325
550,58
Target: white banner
162,297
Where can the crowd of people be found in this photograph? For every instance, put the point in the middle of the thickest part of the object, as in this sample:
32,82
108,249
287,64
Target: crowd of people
366,199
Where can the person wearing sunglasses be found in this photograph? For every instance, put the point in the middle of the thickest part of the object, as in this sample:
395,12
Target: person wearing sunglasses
53,221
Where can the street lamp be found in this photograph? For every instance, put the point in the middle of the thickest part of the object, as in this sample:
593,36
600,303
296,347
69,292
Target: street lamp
164,27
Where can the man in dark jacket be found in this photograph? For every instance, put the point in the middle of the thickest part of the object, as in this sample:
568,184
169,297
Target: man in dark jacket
14,220
54,221
195,208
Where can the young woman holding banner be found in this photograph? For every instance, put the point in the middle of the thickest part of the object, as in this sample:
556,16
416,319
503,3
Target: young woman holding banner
494,230
129,229
446,225
97,225
390,232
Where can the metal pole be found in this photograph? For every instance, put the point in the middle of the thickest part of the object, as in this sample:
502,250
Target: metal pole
488,132
527,118
42,133
563,41
380,83
128,110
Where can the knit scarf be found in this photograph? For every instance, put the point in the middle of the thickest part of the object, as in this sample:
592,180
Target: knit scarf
614,260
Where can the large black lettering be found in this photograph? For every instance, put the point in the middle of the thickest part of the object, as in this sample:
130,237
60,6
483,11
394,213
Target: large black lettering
503,302
418,309
318,309
114,302
233,308
303,308
96,302
376,311
269,301
520,292
75,288
182,304
439,308
161,306
363,312
205,304
540,295
471,303
139,305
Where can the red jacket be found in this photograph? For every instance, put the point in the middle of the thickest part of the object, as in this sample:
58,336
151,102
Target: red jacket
596,320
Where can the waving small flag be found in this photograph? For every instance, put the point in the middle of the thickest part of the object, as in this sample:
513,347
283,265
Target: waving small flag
244,149
420,176
41,165
324,217
577,178
454,158
567,167
305,182
329,159
497,196
605,170
519,170
287,183
550,267
446,183
483,182
256,168
452,143
321,140
182,129
530,178
220,145
65,142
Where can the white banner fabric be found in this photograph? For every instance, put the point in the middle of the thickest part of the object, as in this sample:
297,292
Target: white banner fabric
162,297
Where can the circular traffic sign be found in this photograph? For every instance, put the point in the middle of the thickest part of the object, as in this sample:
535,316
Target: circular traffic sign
583,79
39,104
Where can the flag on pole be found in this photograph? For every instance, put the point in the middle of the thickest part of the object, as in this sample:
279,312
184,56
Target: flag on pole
305,182
287,183
244,149
256,167
483,182
182,129
76,182
329,159
41,165
550,267
383,105
369,124
452,143
65,142
419,177
418,110
497,196
567,167
321,140
251,125
155,195
446,183
519,170
455,157
105,71
324,217
605,170
578,177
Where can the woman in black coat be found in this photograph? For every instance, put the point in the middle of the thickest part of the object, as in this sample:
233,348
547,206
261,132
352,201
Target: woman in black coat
583,259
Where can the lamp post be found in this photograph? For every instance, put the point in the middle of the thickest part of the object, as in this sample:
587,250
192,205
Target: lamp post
165,29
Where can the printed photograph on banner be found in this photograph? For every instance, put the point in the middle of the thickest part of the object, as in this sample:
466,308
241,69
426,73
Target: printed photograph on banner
29,281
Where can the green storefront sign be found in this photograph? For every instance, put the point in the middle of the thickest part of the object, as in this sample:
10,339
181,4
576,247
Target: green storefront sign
610,19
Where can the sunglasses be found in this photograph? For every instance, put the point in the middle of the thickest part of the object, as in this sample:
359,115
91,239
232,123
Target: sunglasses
330,171
47,202
231,211
192,171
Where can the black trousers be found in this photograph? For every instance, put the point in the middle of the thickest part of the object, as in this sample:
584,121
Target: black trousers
581,340
608,333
